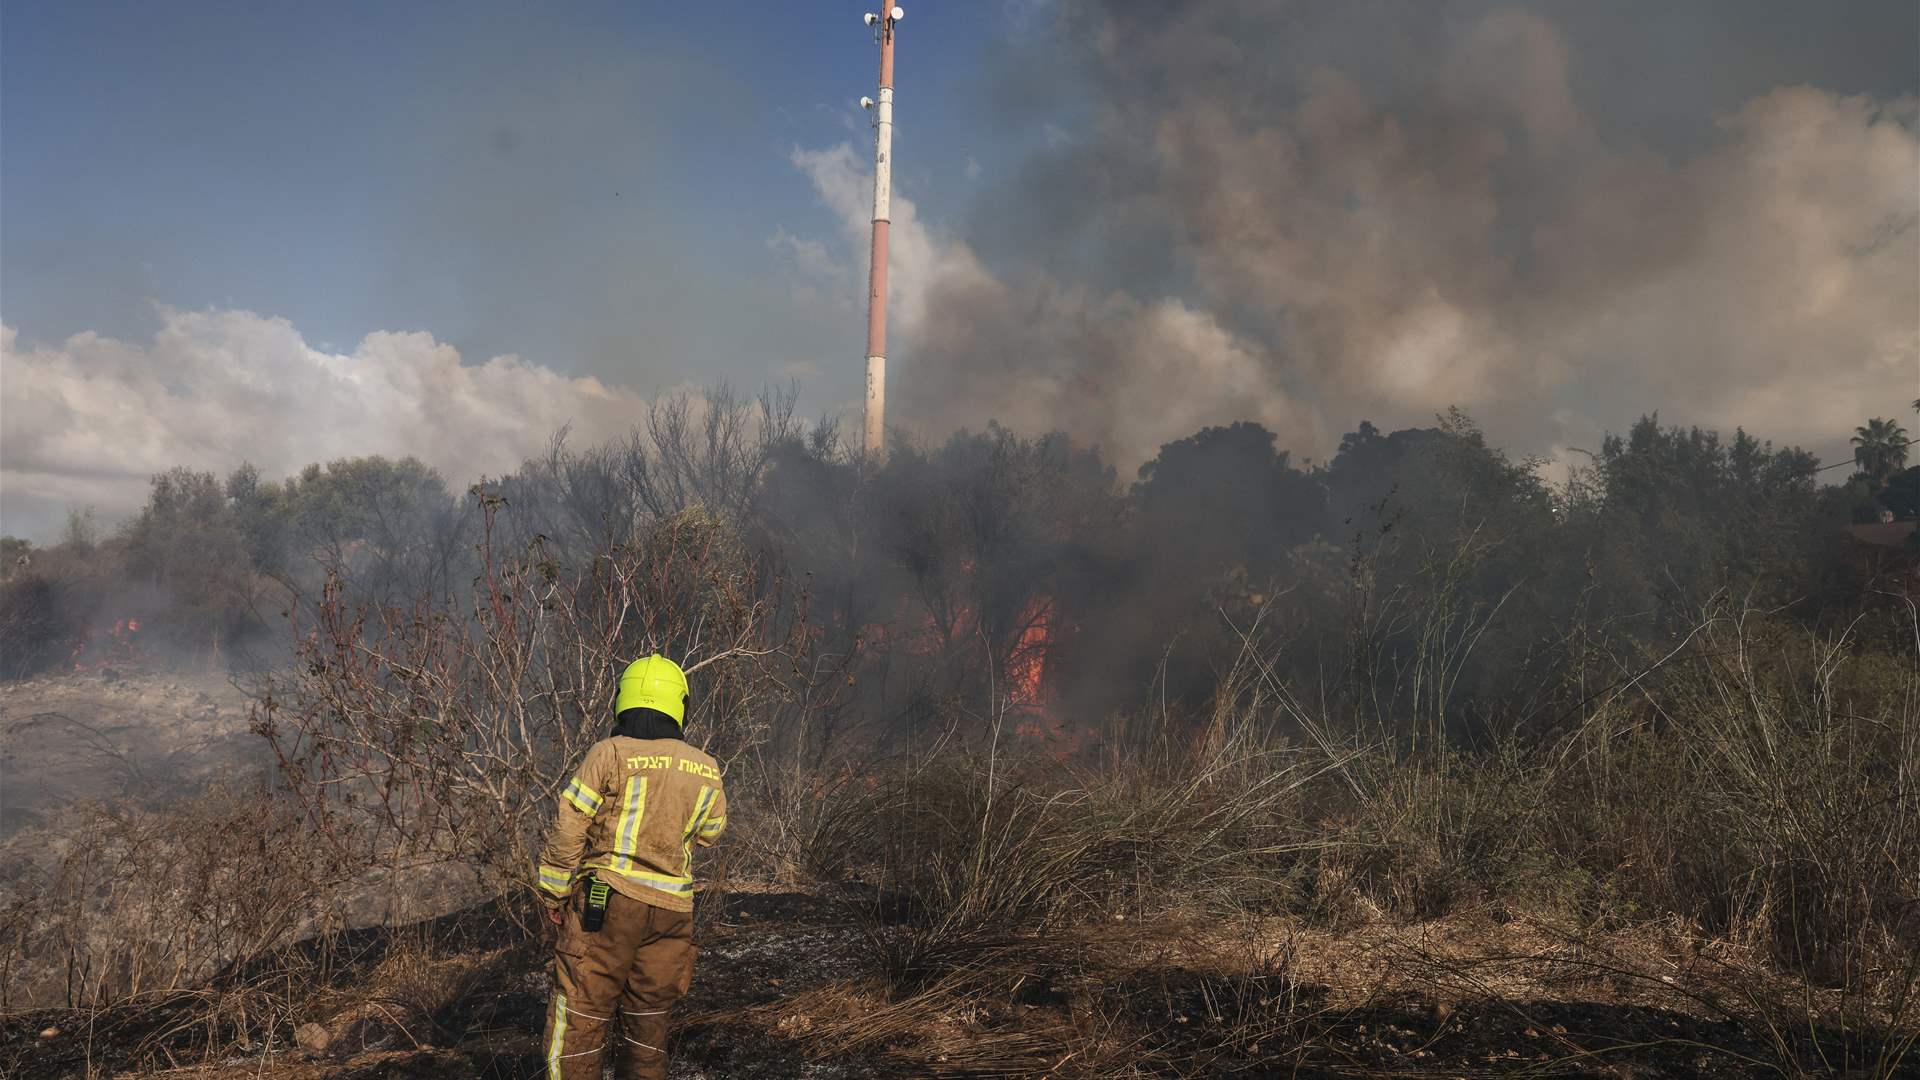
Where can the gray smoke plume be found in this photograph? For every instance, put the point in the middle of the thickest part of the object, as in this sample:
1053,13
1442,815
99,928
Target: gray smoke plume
1305,214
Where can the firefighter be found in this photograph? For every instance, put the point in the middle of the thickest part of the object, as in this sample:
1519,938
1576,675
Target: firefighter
617,878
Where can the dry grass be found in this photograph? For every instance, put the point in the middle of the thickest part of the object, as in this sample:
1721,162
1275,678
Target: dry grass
1723,865
1740,845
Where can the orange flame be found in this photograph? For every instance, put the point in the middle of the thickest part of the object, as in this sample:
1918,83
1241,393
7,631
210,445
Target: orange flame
1027,663
115,646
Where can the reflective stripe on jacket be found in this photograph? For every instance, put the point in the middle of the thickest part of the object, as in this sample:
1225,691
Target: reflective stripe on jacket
632,814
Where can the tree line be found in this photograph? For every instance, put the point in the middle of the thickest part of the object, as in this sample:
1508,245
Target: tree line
1421,577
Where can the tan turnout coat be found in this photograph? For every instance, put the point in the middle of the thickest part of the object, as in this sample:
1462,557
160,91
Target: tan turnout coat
632,815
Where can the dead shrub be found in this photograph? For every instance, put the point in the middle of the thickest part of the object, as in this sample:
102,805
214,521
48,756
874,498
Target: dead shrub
120,901
441,733
951,867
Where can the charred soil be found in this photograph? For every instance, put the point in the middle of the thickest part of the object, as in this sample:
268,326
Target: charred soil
783,989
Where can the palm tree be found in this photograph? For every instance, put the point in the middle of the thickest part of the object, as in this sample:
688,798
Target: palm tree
1880,448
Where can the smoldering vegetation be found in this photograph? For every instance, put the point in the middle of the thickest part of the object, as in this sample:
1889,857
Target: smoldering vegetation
1241,764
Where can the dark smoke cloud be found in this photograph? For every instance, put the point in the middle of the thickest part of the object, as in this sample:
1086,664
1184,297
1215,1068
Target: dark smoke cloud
1306,214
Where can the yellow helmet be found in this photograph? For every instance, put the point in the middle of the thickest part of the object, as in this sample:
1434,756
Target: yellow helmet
653,682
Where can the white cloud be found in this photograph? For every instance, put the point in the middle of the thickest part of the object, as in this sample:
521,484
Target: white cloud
88,420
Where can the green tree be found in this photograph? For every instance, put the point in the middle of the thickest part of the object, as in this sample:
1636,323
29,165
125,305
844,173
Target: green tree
185,542
1880,449
1225,498
1448,552
259,513
1681,514
389,527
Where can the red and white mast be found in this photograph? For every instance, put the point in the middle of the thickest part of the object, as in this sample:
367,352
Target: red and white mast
876,414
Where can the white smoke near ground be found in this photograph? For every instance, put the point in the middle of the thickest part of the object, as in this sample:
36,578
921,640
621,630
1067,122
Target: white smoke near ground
1459,234
87,420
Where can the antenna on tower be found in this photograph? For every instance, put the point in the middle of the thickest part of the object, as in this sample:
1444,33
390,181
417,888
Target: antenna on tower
882,109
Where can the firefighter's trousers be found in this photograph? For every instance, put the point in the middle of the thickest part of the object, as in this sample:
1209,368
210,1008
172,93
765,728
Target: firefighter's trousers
616,985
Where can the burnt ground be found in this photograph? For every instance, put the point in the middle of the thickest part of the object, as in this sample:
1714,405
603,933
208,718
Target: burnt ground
119,732
784,989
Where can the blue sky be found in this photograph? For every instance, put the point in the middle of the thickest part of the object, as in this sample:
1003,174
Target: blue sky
560,181
284,233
